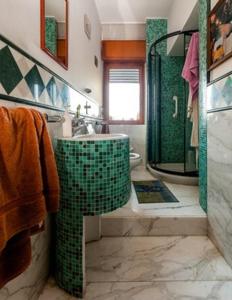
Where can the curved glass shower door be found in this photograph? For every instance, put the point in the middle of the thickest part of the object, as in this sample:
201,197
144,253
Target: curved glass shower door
169,128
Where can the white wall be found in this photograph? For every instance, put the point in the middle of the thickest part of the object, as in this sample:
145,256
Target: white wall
179,13
123,31
183,15
20,23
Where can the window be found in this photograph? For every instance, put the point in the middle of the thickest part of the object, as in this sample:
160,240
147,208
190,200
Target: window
124,93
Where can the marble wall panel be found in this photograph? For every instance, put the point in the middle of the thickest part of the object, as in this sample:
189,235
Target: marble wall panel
220,181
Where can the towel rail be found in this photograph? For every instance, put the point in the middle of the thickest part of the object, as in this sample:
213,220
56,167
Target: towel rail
54,119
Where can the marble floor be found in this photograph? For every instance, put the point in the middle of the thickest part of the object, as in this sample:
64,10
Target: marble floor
139,263
147,268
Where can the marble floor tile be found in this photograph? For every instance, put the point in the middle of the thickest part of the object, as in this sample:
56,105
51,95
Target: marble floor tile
155,259
161,291
141,173
53,292
186,290
159,268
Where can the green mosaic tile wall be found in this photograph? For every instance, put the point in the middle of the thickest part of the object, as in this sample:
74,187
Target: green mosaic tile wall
51,34
172,130
24,79
155,29
95,179
203,13
172,149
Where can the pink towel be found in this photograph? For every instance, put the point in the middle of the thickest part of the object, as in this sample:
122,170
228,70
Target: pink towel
191,67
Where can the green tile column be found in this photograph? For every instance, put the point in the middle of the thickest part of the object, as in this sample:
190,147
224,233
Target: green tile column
155,29
69,250
95,179
203,13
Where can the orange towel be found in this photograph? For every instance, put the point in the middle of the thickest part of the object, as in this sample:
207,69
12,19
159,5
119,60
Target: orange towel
29,185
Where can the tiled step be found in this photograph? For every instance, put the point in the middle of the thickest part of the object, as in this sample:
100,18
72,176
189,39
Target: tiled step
153,226
167,219
185,217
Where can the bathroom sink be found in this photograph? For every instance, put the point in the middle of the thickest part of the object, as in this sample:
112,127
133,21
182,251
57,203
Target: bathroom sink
97,171
97,137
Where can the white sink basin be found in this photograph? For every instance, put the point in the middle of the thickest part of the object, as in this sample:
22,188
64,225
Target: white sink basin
97,137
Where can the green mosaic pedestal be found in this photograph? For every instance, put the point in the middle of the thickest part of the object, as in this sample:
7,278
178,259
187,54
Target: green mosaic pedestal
95,179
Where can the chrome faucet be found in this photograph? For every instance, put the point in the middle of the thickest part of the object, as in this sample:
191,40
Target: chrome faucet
79,126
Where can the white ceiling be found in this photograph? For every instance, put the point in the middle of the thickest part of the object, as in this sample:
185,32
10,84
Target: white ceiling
132,11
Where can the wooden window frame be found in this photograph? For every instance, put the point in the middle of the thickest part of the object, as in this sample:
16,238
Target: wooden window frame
124,65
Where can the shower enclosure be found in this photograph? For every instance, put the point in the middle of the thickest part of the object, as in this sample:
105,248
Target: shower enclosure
169,128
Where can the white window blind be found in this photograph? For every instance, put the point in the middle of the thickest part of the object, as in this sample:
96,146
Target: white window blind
124,76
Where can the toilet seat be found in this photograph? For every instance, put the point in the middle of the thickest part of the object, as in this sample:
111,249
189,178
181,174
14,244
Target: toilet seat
135,160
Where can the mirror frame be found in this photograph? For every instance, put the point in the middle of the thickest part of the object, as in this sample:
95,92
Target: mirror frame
42,34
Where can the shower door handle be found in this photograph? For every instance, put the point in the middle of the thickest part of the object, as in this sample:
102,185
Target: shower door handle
175,98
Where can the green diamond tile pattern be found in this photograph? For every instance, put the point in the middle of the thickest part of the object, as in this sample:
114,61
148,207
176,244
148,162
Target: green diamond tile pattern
95,179
35,82
10,75
64,94
227,91
219,94
52,90
2,44
24,78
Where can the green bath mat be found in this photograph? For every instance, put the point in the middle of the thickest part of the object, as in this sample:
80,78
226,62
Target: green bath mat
153,192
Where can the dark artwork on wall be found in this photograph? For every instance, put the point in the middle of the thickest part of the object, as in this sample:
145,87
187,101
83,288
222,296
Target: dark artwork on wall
220,33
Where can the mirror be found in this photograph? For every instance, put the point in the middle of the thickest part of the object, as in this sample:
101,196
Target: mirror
54,30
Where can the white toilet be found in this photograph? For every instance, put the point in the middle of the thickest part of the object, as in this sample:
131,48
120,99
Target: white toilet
135,159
